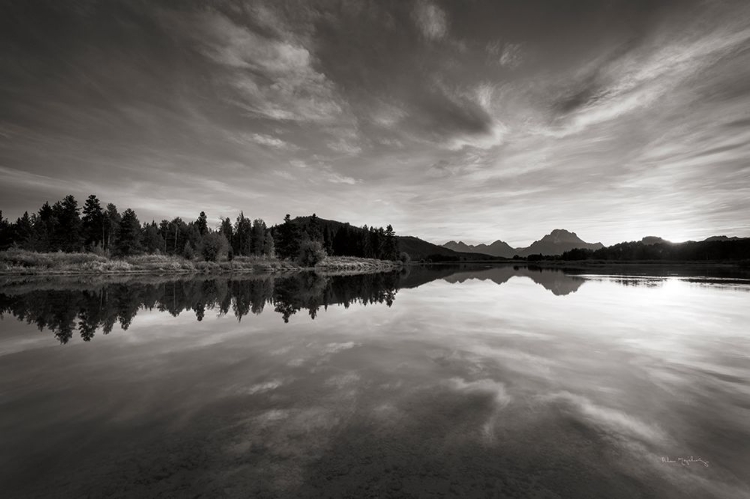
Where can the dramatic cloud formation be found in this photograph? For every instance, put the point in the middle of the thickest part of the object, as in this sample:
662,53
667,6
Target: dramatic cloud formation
477,120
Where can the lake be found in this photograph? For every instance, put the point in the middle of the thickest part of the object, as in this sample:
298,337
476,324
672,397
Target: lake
454,381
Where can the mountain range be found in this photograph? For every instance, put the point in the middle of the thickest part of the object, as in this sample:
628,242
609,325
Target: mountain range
555,243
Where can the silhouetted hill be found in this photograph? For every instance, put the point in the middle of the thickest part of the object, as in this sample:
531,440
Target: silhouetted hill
498,248
721,238
418,249
555,243
654,240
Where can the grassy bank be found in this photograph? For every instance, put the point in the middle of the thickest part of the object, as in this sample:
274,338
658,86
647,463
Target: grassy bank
338,264
20,262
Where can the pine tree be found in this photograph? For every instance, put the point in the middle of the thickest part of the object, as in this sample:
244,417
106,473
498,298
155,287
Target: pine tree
258,236
269,247
152,239
44,228
23,231
67,233
93,222
243,228
111,226
129,241
391,244
202,223
6,233
226,229
287,243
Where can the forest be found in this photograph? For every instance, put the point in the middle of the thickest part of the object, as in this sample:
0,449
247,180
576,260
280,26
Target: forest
712,249
104,230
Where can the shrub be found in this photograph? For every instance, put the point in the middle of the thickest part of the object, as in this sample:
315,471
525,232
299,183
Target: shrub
188,252
311,253
214,246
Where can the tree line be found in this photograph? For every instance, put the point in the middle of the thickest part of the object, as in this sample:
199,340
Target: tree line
709,250
64,226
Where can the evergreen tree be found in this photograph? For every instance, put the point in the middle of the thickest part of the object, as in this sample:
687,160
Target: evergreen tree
328,240
152,239
202,223
243,228
314,230
391,244
93,222
258,236
226,229
111,226
269,247
23,231
288,240
6,233
67,233
129,240
44,228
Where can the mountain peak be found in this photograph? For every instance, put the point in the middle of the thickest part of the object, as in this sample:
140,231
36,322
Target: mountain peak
556,232
556,243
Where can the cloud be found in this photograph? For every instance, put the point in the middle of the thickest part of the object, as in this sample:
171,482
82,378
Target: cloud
431,20
273,78
486,386
263,140
336,178
264,387
345,147
507,55
639,78
511,56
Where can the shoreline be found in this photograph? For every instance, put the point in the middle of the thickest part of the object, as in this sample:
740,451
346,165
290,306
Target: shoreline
85,264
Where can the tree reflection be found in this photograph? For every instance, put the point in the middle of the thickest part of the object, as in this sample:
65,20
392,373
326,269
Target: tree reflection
69,306
88,308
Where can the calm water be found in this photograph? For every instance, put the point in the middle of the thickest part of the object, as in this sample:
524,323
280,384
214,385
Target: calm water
464,382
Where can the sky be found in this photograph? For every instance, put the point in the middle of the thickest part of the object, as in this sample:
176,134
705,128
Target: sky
451,120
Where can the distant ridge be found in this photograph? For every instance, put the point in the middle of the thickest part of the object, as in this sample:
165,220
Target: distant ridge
654,240
555,243
417,249
498,248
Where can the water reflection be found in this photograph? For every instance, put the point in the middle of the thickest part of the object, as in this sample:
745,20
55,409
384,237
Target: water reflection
457,382
556,281
66,306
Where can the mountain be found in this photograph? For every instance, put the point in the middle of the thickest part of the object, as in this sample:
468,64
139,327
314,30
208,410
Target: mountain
417,249
654,240
555,243
498,248
722,238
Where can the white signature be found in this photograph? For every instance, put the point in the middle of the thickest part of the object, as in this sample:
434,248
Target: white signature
685,461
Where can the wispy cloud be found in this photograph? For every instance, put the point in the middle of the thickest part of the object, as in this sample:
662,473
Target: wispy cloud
274,78
431,20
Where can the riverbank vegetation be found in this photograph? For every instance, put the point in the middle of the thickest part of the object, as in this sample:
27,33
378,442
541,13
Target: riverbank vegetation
15,261
65,238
